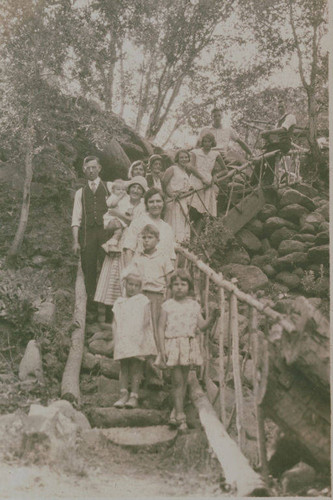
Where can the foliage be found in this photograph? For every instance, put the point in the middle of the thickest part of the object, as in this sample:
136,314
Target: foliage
215,240
316,285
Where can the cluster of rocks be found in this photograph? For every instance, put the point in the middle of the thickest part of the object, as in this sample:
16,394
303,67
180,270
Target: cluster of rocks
284,243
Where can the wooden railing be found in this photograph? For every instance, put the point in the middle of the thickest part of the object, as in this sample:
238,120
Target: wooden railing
209,285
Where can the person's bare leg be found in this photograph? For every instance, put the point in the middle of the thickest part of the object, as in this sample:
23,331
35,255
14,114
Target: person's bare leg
177,389
123,383
136,372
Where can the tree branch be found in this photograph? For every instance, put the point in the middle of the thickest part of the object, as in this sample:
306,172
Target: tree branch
298,48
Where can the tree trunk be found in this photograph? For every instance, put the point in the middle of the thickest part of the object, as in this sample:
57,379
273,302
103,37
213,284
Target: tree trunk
18,239
122,83
236,468
70,385
312,138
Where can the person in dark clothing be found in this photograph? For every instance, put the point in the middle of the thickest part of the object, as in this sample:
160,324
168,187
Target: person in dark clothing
87,226
277,139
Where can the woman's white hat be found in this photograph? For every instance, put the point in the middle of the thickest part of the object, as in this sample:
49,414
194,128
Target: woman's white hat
138,179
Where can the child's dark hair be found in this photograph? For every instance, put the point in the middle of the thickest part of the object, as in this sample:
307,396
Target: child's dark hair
183,275
150,229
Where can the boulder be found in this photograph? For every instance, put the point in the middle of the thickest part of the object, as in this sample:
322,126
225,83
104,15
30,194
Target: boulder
101,335
31,366
293,212
274,223
297,479
299,272
250,278
308,229
269,270
292,260
290,246
265,245
251,243
104,347
89,361
291,197
107,385
314,219
324,210
140,437
236,256
281,234
266,212
310,238
261,260
138,417
322,238
256,227
307,190
320,255
109,367
324,226
290,280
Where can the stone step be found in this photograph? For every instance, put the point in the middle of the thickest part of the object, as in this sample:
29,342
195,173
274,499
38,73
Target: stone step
138,417
150,437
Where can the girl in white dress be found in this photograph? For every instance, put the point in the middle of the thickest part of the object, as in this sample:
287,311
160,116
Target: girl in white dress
133,337
205,163
175,182
179,325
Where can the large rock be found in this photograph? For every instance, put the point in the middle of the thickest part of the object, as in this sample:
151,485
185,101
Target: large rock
291,280
267,211
308,229
307,190
236,256
274,223
265,245
291,261
310,238
89,361
298,478
314,219
290,246
269,270
293,212
104,347
324,210
256,227
261,260
324,226
112,417
320,255
250,278
251,243
322,238
31,366
291,196
281,234
140,437
109,367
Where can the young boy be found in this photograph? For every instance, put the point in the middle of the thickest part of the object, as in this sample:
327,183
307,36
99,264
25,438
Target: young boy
118,199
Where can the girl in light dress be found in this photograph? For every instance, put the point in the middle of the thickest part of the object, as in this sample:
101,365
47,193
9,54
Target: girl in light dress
133,336
176,181
205,163
109,284
178,329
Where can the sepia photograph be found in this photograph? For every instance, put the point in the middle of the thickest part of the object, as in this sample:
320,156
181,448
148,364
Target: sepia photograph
165,249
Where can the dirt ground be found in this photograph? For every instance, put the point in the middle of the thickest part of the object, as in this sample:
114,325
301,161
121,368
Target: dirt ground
107,471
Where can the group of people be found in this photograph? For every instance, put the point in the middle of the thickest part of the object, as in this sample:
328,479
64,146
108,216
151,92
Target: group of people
133,225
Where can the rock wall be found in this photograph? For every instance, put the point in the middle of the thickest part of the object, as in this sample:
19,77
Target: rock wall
288,241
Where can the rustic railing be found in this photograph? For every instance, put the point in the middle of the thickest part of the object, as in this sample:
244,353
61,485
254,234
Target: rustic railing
209,285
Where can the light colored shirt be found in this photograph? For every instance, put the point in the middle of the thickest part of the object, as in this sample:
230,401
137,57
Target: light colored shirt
223,136
154,268
133,241
289,121
77,207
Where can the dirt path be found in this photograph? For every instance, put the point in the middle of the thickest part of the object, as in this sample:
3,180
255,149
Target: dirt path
107,471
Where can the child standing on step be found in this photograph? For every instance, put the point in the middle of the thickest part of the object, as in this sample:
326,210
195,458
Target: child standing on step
133,336
179,326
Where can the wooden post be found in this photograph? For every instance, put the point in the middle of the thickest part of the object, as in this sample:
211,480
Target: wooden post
233,313
70,385
253,327
206,306
223,415
237,471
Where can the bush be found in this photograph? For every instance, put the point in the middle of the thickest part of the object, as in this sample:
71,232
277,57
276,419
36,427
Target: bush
315,286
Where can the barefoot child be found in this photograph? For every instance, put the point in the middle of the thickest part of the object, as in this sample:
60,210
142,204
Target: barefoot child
118,199
133,337
179,325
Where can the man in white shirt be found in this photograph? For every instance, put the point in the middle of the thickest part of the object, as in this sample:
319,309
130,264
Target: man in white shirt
277,139
223,136
87,225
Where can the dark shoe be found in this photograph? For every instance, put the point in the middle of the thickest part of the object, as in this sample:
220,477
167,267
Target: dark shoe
108,314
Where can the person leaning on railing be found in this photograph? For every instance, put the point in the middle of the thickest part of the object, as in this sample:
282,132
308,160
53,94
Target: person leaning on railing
276,139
